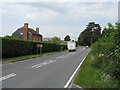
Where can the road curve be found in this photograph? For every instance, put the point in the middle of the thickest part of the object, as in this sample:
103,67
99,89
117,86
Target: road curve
51,71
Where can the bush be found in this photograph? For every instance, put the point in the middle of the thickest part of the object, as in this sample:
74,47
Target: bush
106,53
12,47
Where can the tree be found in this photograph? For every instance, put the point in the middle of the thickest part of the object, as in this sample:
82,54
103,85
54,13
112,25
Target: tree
56,39
67,38
7,36
90,35
107,31
109,47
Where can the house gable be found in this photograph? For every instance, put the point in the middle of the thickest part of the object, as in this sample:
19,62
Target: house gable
19,33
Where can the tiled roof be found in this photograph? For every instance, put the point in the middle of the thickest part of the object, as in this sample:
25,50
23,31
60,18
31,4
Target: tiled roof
31,30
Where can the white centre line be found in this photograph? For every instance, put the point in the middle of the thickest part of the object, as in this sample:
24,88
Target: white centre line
58,57
43,64
50,61
7,76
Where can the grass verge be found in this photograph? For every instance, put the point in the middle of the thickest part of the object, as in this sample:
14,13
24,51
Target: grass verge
27,57
90,77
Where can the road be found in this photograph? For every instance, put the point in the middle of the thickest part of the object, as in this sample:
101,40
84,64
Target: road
51,71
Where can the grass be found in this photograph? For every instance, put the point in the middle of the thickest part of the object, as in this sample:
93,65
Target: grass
28,57
90,77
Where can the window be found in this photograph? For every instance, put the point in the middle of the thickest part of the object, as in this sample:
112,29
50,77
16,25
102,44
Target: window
21,33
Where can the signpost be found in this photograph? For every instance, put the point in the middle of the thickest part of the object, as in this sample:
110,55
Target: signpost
40,46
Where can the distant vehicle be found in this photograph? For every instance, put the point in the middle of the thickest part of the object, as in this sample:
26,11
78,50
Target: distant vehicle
71,45
87,47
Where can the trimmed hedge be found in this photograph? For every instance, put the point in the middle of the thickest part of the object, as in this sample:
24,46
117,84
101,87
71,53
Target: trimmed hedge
12,47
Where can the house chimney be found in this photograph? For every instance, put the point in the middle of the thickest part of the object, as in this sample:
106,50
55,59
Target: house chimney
37,30
25,31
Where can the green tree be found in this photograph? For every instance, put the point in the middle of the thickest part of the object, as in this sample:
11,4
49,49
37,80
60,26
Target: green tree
7,36
67,38
56,39
90,35
108,31
106,51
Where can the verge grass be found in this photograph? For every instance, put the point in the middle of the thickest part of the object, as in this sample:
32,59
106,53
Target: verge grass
27,57
91,77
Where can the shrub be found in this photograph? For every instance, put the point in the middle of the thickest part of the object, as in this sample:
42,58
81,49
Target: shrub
106,53
12,47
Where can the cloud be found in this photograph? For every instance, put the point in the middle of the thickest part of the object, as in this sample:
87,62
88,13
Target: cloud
61,31
43,15
32,15
95,11
2,11
58,18
26,11
59,0
69,10
64,11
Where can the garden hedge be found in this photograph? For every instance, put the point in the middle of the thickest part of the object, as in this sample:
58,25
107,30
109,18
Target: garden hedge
12,47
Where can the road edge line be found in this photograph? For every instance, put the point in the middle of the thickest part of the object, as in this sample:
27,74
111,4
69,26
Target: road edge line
70,79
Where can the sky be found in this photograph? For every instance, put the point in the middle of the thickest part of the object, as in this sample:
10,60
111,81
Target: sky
56,18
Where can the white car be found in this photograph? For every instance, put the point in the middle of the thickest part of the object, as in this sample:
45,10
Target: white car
87,47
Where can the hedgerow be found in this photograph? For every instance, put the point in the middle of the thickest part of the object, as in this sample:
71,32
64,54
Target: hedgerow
12,47
106,52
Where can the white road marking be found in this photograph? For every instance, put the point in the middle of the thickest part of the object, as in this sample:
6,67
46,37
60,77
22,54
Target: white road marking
43,64
7,76
63,56
39,66
70,79
50,61
59,57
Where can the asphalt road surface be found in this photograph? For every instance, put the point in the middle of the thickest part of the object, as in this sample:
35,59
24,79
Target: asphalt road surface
51,71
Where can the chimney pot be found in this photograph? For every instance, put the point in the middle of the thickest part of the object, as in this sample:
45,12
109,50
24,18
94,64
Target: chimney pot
26,24
25,31
37,29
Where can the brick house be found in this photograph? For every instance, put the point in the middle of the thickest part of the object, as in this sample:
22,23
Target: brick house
27,33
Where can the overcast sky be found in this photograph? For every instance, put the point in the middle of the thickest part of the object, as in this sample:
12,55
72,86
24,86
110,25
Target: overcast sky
56,18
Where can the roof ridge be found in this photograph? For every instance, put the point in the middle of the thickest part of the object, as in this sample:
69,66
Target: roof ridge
31,30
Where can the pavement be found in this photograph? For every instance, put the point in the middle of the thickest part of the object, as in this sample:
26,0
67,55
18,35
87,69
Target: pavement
52,71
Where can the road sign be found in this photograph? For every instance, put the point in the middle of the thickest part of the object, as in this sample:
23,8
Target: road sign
39,45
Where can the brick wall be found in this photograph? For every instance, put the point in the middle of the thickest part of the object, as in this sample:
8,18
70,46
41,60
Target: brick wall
36,38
